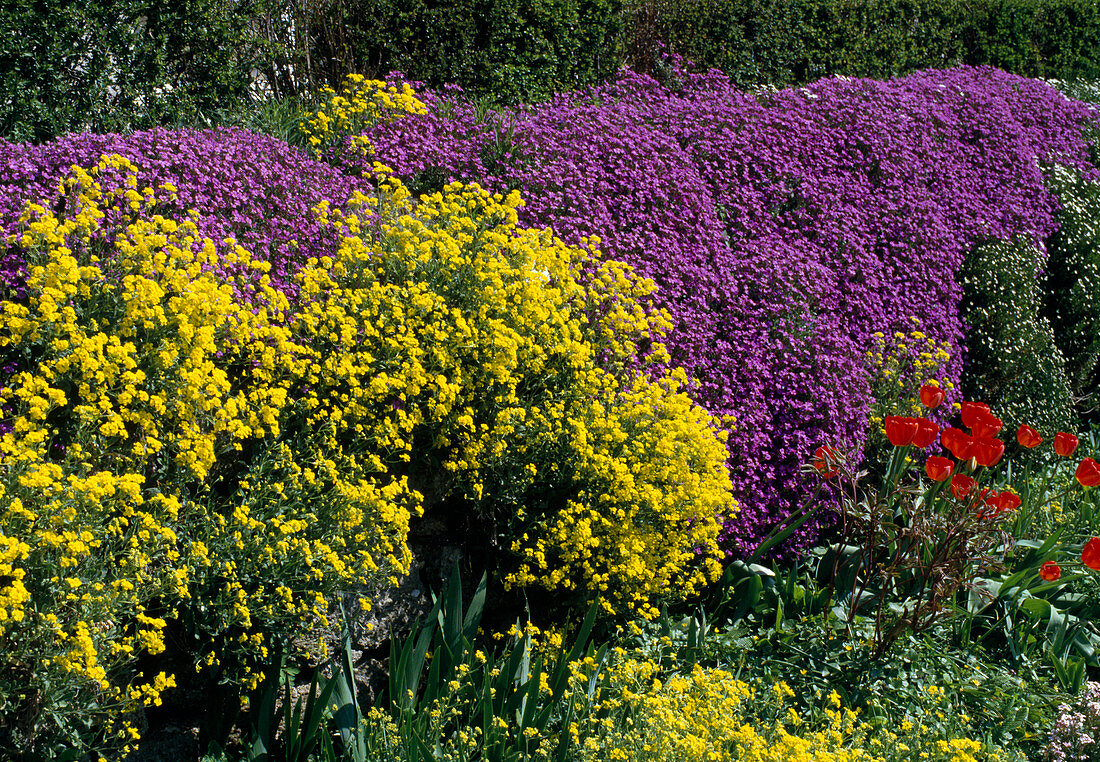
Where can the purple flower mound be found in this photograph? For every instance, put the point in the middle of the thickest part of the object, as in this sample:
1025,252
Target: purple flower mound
784,228
252,187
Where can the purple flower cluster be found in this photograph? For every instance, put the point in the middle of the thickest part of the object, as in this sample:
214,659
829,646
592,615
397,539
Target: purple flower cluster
784,227
251,187
1075,736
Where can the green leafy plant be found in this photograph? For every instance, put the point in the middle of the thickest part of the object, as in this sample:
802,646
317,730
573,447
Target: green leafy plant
1032,608
504,704
327,724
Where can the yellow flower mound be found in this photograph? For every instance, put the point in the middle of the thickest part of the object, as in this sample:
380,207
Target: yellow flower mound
149,474
510,357
703,716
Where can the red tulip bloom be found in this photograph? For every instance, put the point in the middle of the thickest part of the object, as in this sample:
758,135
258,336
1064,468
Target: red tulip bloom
826,461
931,396
962,485
1000,503
1088,473
987,451
938,469
985,426
1007,501
970,412
1090,554
926,433
957,442
900,431
1028,437
1050,571
1064,444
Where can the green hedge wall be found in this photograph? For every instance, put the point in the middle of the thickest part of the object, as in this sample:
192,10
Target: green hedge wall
112,65
786,42
515,50
108,65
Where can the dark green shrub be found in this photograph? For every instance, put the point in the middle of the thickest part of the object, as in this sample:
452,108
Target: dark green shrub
769,42
1013,362
883,38
115,65
517,50
1058,39
787,42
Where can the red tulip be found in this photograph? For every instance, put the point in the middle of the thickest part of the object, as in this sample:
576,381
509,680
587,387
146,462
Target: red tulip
1050,571
1028,437
1064,444
986,425
970,411
931,396
957,442
938,469
826,461
962,485
1007,501
900,431
1088,473
987,451
1090,554
926,432
1001,502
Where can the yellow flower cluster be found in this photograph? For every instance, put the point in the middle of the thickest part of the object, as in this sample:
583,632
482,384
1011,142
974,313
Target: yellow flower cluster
641,713
899,365
705,716
508,355
360,104
151,392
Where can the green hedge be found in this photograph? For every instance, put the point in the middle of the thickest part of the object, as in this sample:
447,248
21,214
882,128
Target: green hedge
112,65
515,50
108,65
786,42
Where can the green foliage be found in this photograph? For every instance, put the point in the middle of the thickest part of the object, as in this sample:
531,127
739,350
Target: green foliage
676,690
501,704
787,42
116,65
518,50
295,732
1036,38
1020,613
945,686
1014,364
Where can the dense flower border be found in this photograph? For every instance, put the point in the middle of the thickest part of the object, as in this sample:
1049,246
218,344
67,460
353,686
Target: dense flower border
784,228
